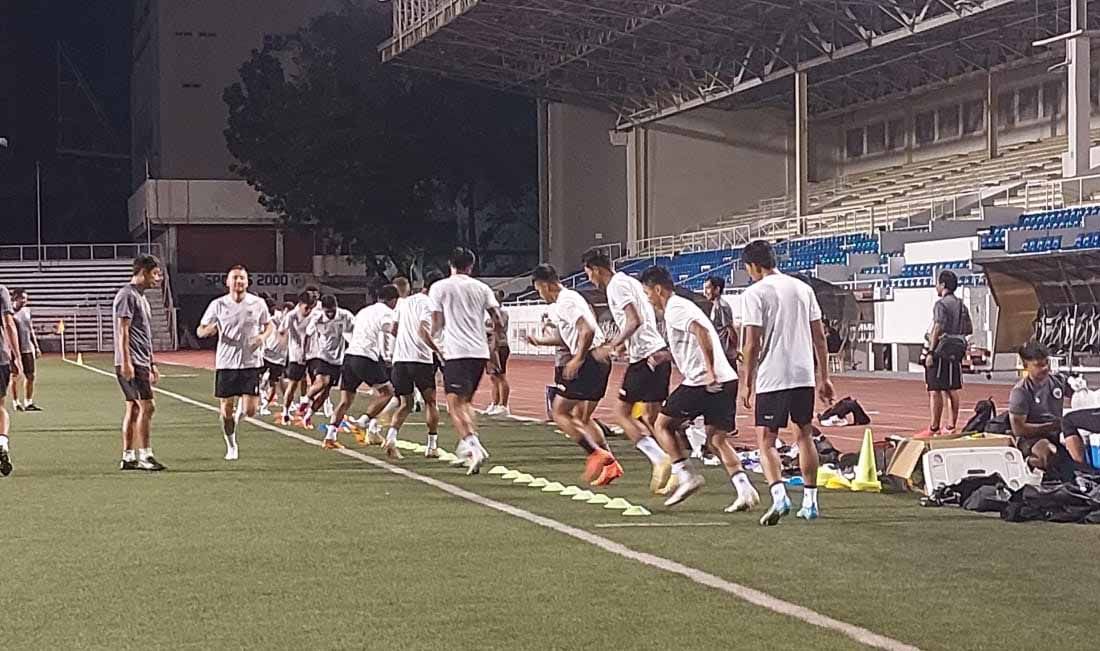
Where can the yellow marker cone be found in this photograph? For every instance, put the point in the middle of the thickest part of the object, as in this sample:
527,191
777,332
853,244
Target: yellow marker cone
419,449
553,487
523,479
511,474
583,496
570,491
618,503
866,473
636,511
540,482
446,456
404,445
498,470
599,498
829,478
80,359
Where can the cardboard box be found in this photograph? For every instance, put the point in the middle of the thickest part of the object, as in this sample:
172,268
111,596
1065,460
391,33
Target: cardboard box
985,441
907,457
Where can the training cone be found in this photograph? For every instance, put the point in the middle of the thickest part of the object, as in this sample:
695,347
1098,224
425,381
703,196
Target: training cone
419,449
540,482
80,359
511,474
553,487
523,479
570,491
583,496
828,477
599,498
635,511
618,503
446,456
498,470
866,473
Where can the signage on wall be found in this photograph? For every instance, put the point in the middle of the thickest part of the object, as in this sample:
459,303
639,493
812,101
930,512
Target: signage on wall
259,281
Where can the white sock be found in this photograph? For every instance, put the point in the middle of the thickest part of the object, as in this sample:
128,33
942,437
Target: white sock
230,441
3,442
432,441
741,482
27,403
373,425
682,470
129,455
809,497
492,406
144,453
391,436
476,442
779,492
330,432
647,446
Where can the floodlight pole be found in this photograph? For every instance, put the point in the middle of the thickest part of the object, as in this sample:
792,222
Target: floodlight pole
1078,106
38,208
801,150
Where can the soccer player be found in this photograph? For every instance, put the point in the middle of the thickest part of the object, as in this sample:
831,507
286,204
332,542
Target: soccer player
242,323
459,304
585,376
293,327
10,358
325,352
413,363
783,335
28,344
709,389
502,391
363,363
275,355
134,365
650,364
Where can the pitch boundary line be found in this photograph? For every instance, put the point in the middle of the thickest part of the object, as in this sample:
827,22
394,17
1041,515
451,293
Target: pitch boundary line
742,592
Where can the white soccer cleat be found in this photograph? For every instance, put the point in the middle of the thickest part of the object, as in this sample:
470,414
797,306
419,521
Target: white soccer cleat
264,411
232,454
776,513
744,503
477,457
328,408
685,489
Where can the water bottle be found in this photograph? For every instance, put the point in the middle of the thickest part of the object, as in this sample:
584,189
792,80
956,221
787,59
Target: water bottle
1094,450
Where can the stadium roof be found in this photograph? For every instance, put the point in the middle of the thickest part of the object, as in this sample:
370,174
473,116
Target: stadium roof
649,59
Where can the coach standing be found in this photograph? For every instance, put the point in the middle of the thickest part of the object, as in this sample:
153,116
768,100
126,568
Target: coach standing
947,345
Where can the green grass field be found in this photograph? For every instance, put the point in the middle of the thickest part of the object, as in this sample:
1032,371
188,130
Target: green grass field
295,547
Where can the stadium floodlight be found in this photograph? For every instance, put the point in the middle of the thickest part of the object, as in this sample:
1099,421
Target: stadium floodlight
4,143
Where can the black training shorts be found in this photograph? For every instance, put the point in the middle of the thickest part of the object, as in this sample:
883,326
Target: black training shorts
718,408
644,384
462,377
408,376
775,409
358,370
139,388
233,382
590,385
943,375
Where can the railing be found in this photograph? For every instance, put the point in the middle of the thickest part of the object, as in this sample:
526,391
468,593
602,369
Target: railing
171,312
704,240
74,252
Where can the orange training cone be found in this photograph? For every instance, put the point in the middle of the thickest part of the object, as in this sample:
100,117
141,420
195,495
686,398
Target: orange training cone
866,473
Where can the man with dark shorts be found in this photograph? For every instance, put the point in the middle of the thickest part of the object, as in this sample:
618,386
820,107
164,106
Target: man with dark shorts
459,305
943,375
134,365
242,323
275,356
293,328
414,369
9,368
709,389
502,391
325,330
783,336
1035,408
28,345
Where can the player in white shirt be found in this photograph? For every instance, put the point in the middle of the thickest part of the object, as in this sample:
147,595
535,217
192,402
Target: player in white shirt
708,389
363,364
325,346
647,377
502,391
275,357
584,378
242,323
293,327
459,305
414,363
783,336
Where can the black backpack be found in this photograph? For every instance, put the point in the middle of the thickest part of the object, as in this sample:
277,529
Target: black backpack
984,412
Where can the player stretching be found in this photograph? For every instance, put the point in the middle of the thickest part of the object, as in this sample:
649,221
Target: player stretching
363,364
459,304
325,330
134,366
293,328
584,378
647,377
9,368
709,389
242,323
28,344
783,334
413,365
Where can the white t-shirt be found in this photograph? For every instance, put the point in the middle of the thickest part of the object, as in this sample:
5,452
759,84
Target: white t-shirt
463,301
327,335
784,307
625,290
412,313
680,314
238,324
294,327
366,336
568,310
275,348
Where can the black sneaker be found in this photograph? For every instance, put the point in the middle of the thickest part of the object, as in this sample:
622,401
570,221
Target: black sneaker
128,465
149,464
32,407
18,407
5,462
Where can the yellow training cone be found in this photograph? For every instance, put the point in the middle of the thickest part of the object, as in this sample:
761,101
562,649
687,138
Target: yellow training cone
498,470
553,487
583,496
830,478
80,359
636,511
540,482
618,503
570,491
523,479
866,473
599,498
446,456
419,449
511,474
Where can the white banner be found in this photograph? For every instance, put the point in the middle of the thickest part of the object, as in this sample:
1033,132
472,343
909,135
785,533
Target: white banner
260,281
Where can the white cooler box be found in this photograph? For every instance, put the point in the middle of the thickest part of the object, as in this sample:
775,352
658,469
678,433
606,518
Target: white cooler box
950,465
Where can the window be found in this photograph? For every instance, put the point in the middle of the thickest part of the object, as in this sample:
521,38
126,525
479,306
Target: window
1028,99
895,134
1053,101
949,122
926,127
876,138
973,116
853,143
1006,110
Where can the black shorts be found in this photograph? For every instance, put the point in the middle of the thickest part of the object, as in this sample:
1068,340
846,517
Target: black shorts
139,388
28,365
5,379
462,377
943,375
233,382
644,384
358,370
590,385
502,356
318,367
275,371
775,409
295,372
718,409
413,375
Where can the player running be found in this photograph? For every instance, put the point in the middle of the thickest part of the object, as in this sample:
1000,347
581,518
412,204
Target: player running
275,356
783,334
28,344
242,323
325,352
134,365
709,389
413,363
293,327
459,304
647,377
585,376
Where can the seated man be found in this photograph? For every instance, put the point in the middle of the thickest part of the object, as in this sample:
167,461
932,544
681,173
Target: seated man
1035,413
